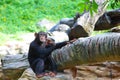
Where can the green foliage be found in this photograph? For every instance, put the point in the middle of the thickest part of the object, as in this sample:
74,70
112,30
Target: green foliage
92,6
114,4
17,15
87,5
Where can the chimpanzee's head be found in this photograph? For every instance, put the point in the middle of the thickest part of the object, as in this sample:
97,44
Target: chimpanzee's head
40,37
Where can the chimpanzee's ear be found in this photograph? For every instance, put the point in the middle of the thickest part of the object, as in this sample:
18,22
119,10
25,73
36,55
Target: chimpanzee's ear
35,34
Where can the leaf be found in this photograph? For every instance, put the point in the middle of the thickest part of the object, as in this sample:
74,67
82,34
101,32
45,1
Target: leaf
94,6
81,3
82,6
91,12
87,0
114,4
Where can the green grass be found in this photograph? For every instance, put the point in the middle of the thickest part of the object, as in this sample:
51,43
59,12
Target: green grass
17,15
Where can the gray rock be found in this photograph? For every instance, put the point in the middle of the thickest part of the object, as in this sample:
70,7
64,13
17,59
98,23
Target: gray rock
15,61
28,74
62,28
45,24
59,36
66,21
3,51
24,49
14,65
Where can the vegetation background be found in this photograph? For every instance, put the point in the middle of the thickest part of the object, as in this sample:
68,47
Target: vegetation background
20,16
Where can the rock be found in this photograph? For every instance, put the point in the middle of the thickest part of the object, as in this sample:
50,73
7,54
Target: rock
27,38
3,51
62,28
60,33
15,47
28,74
14,65
59,36
15,61
12,74
24,49
1,72
97,71
66,21
45,23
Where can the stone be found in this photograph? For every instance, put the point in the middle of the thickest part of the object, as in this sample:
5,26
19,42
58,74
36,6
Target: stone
15,61
14,65
60,33
3,51
66,21
12,74
45,24
62,28
59,36
28,74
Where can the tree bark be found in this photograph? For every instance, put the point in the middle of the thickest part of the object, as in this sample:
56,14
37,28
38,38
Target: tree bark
95,49
108,20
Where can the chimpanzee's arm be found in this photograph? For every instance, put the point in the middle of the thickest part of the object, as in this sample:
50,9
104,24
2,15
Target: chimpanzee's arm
59,45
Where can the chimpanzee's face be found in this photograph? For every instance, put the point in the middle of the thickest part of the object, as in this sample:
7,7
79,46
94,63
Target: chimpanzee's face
42,38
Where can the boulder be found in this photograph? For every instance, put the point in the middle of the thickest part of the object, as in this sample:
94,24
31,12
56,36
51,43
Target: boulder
28,74
59,36
15,65
45,24
3,51
15,61
67,21
62,28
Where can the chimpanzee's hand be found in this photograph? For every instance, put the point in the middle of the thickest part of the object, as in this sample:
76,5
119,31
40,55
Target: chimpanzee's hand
71,41
50,42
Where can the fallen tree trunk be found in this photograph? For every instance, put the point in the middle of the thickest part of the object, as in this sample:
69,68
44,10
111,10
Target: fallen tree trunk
105,47
108,20
95,49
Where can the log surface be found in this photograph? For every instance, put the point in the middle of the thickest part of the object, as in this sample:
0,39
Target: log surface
105,47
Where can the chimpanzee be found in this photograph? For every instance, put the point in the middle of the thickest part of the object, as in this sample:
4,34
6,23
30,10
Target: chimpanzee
39,55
